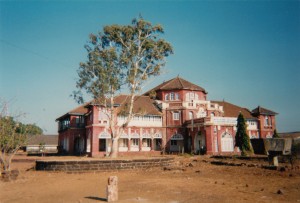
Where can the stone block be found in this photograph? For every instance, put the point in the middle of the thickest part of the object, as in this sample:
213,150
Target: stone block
112,189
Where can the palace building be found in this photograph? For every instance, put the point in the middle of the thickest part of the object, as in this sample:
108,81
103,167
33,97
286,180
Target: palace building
173,117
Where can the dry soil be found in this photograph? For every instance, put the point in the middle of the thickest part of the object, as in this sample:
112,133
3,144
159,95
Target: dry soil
193,179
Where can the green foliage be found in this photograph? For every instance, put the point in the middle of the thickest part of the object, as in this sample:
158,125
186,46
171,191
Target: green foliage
275,134
13,135
242,140
121,55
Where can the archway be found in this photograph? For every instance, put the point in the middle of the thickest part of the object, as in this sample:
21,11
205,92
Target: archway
79,145
227,142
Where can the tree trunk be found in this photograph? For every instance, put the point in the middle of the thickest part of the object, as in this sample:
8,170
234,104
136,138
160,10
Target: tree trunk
114,148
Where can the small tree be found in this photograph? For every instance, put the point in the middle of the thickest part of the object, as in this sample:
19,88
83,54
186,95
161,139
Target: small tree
122,56
275,134
242,140
10,139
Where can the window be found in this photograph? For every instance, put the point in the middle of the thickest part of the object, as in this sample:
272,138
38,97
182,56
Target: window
172,96
191,116
64,124
176,96
175,115
191,96
266,121
167,97
212,114
135,142
173,142
79,121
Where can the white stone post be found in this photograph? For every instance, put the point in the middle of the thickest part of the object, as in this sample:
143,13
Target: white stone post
112,189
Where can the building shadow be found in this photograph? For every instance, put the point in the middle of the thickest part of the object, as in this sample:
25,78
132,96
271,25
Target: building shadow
96,198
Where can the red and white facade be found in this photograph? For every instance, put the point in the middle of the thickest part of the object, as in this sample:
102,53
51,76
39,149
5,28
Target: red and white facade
178,117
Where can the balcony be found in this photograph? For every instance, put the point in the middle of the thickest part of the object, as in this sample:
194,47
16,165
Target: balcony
142,121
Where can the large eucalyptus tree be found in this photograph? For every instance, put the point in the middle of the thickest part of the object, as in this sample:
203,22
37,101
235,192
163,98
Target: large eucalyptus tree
121,57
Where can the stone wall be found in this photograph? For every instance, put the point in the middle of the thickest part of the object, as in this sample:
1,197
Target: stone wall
102,165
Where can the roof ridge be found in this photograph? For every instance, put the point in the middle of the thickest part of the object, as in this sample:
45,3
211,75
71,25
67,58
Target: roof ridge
180,81
165,83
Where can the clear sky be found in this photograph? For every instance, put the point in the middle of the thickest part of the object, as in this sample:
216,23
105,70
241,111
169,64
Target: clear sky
245,52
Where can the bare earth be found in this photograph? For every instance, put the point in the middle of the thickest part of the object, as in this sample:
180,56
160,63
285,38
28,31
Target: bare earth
194,179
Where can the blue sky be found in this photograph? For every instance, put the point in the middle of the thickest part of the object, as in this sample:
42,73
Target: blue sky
245,52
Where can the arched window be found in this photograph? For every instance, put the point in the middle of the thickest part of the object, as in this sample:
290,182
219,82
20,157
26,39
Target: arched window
266,121
191,96
166,97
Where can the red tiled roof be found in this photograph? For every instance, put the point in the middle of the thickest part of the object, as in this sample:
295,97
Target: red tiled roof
46,139
231,110
177,84
80,110
263,111
142,104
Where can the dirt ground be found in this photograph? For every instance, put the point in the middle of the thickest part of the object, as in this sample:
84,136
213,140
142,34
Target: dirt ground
194,179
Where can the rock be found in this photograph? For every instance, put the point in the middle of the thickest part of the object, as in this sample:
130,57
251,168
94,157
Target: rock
282,169
191,165
280,192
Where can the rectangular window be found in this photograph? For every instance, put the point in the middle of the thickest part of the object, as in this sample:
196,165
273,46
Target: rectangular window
175,115
173,142
172,96
79,121
135,142
266,121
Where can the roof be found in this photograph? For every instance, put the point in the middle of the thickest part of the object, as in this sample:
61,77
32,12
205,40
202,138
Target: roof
263,111
46,139
142,104
231,110
177,84
80,110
